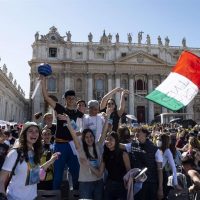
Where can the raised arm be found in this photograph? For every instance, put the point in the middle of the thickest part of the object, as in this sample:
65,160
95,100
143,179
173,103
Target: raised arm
107,96
49,100
105,127
122,102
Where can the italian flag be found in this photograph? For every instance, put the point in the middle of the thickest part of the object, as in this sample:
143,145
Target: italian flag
182,84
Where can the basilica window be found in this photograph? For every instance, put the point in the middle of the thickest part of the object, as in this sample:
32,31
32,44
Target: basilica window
124,84
51,84
78,85
53,52
100,55
79,55
123,54
141,85
99,88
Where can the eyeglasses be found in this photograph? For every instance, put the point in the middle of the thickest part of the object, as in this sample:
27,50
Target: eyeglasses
109,104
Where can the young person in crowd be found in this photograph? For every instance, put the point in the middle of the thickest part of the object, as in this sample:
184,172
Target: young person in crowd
47,151
94,120
108,102
25,158
163,142
124,134
63,138
90,186
81,106
145,154
117,164
190,170
48,123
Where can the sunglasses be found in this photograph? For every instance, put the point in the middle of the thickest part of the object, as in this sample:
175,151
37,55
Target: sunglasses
110,104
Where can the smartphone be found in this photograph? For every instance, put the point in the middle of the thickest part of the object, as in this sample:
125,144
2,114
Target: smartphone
140,173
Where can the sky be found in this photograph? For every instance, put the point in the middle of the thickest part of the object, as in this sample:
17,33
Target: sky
20,19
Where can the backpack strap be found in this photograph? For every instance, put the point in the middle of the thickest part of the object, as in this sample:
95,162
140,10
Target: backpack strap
14,167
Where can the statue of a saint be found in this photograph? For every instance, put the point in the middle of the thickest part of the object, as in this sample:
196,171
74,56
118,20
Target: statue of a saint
140,37
167,41
90,37
69,35
159,41
184,42
109,38
129,38
36,36
148,40
117,38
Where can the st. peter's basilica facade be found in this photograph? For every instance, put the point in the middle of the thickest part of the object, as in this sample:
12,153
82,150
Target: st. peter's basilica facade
94,68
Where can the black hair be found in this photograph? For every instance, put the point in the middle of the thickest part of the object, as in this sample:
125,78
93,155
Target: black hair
106,153
85,146
69,93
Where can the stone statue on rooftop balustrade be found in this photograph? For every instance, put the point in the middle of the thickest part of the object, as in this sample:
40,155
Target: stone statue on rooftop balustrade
36,36
90,37
167,41
129,38
140,37
159,41
69,35
109,38
184,42
117,38
148,41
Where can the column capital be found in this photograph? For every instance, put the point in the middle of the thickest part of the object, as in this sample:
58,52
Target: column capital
131,76
150,76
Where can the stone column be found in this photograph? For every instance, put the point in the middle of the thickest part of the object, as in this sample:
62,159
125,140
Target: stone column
150,104
131,95
164,110
109,82
90,86
117,84
67,80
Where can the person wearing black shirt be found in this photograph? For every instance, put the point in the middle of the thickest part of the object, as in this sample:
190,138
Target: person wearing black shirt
108,102
63,136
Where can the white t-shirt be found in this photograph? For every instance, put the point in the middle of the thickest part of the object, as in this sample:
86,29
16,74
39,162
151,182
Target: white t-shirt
95,123
17,190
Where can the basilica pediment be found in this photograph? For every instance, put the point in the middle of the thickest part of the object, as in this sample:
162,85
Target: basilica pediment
141,57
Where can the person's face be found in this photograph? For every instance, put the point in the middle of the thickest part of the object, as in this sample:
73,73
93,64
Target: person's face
110,143
93,111
32,135
110,104
48,119
89,139
2,137
70,100
46,136
81,107
141,137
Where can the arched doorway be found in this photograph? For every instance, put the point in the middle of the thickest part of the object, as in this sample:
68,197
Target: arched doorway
141,114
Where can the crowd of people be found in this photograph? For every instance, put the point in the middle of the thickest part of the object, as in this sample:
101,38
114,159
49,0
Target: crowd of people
104,156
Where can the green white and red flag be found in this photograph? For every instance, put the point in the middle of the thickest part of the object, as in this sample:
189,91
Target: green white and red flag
182,84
